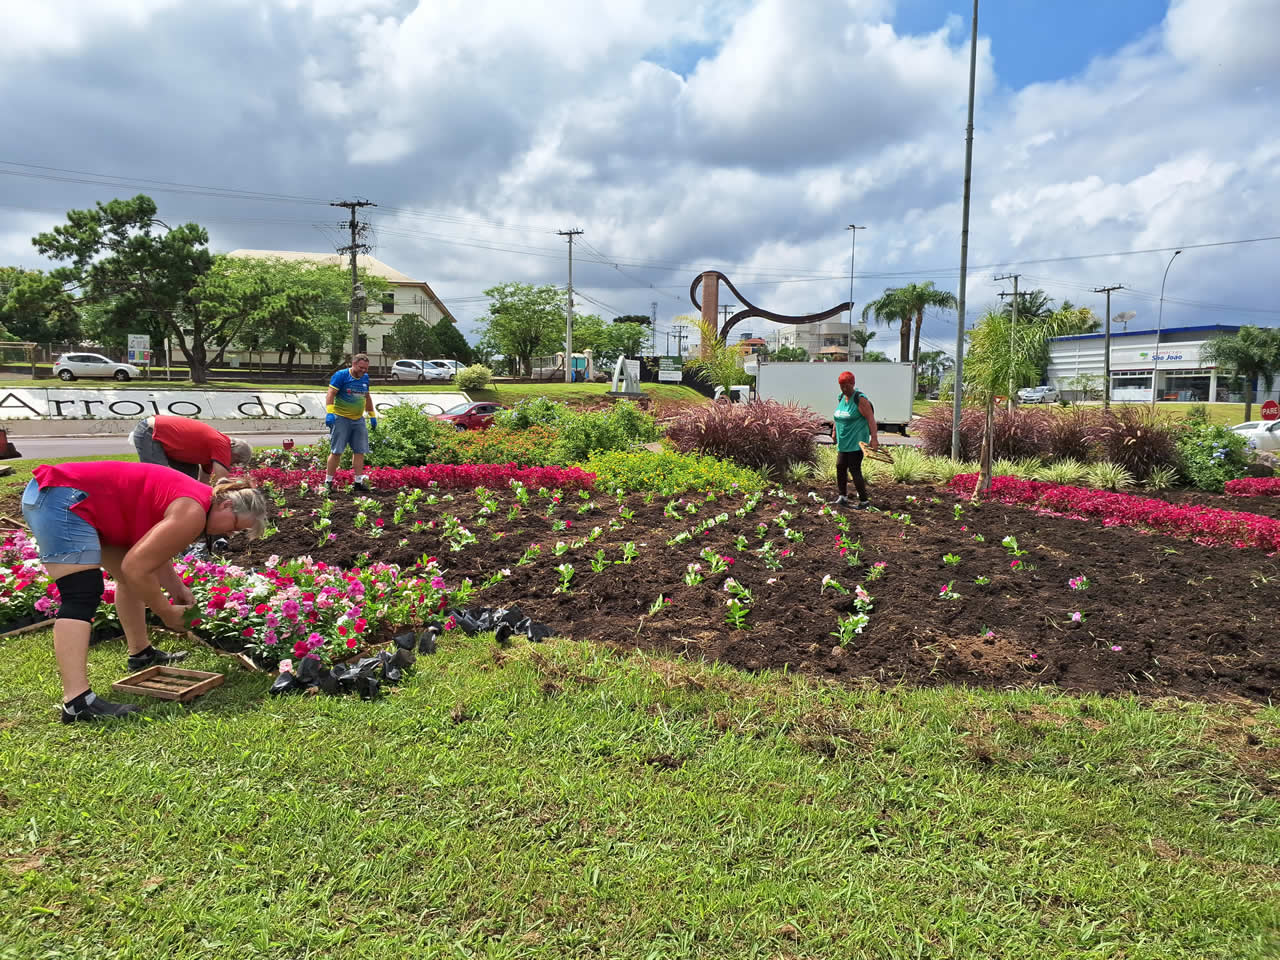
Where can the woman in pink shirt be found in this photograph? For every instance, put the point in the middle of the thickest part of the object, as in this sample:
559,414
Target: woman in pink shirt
132,519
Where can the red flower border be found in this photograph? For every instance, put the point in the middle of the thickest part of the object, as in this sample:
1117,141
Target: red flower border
1205,525
1254,487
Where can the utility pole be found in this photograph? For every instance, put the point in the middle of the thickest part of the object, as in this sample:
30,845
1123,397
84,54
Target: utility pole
653,327
679,334
853,246
1012,326
568,324
958,399
1106,347
724,312
358,229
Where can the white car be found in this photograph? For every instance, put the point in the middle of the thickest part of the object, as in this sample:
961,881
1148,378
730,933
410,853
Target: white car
1265,434
1038,395
418,370
71,366
452,366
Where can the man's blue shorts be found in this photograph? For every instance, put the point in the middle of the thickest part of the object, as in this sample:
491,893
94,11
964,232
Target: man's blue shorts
63,537
349,433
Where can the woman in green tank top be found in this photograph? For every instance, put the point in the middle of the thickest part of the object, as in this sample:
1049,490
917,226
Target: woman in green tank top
854,423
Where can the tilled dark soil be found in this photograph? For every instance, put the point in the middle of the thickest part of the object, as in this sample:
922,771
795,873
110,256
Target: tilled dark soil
1161,616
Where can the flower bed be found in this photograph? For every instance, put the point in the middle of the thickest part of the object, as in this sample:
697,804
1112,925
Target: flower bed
446,476
1254,487
1204,525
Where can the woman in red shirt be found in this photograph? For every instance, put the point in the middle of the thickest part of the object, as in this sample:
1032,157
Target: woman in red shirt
132,519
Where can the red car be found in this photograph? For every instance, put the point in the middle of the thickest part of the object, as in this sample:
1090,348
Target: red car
471,416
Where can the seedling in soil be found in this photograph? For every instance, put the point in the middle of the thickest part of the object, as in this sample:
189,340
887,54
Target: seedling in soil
979,538
684,536
586,507
769,556
795,536
1010,543
863,601
432,499
584,495
495,578
616,525
715,562
762,529
361,521
981,581
734,588
1020,566
629,552
849,627
691,508
735,614
851,551
521,492
560,549
513,513
402,542
594,534
626,513
559,525
833,583
877,570
670,509
598,561
461,595
959,511
693,574
566,574
657,606
531,553
1079,583
947,591
951,559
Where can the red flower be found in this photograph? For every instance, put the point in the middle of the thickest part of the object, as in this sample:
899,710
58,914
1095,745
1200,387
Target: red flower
247,632
351,644
260,608
196,621
342,631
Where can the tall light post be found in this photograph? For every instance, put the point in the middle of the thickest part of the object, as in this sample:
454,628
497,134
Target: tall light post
958,399
1155,356
853,246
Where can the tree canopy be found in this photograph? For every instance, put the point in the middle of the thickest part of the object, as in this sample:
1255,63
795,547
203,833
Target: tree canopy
524,322
905,306
35,308
1252,353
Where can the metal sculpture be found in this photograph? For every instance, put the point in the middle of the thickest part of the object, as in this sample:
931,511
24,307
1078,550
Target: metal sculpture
710,280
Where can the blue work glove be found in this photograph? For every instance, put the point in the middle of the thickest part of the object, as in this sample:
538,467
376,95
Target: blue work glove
330,419
373,423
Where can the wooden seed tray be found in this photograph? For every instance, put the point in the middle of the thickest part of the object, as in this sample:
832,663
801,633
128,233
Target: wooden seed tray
883,455
169,683
42,625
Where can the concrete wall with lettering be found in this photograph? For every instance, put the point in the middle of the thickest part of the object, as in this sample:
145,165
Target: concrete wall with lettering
57,406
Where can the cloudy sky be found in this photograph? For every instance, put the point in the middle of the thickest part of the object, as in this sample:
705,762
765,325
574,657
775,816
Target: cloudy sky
742,135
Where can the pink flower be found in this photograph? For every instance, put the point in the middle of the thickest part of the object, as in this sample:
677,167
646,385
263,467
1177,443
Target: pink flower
437,583
1075,617
1117,648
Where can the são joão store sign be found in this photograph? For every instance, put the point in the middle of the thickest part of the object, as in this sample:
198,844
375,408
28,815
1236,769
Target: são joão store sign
57,404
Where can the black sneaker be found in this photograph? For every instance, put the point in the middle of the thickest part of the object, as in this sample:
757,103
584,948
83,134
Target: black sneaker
151,657
95,709
360,486
840,501
862,504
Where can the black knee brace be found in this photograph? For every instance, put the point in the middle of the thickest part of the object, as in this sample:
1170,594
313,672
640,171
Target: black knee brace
81,592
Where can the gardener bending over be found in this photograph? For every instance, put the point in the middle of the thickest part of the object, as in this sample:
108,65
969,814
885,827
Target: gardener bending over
190,446
131,518
853,423
344,408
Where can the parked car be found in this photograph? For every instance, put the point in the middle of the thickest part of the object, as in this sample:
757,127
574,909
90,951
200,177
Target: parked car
1264,433
72,366
1043,394
418,370
453,366
471,416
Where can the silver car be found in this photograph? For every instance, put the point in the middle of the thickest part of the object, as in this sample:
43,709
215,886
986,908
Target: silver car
1043,394
72,366
418,370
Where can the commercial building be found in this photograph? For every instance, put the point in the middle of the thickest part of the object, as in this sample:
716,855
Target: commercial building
826,339
1180,369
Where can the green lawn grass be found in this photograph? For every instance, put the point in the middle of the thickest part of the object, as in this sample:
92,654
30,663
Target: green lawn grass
11,486
567,801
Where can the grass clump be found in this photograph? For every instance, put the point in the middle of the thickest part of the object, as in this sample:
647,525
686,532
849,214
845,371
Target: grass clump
668,473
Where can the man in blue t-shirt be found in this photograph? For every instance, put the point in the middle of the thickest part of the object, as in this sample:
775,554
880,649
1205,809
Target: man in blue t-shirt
344,408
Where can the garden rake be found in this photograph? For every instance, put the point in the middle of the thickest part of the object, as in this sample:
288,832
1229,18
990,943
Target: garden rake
883,455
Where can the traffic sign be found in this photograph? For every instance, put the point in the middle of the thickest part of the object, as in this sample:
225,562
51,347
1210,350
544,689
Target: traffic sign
1271,410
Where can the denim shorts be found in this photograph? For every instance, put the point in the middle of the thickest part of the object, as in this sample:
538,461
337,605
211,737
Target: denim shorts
62,536
150,451
349,433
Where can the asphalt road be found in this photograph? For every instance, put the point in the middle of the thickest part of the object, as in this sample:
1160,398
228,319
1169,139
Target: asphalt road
51,447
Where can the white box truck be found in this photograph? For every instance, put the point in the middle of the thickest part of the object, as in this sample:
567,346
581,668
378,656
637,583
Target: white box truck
889,386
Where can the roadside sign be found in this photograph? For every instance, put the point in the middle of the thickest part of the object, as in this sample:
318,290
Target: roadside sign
1271,410
140,349
670,369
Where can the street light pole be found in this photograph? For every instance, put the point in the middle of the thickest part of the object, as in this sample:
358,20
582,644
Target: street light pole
1155,356
853,246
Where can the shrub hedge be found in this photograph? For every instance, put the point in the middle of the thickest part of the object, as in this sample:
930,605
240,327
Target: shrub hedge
763,433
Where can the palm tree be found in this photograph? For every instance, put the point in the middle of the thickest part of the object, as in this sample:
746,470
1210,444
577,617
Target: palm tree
999,352
720,363
1252,353
907,304
933,364
1032,305
888,310
862,337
